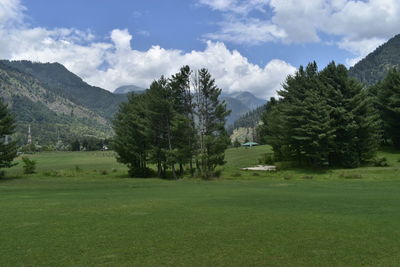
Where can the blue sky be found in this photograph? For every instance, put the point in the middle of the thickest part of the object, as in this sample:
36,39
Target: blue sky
247,45
172,24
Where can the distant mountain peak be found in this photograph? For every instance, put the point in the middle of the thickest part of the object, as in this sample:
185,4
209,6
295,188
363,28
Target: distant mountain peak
240,103
128,89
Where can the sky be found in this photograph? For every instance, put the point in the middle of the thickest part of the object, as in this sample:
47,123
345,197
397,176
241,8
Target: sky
248,45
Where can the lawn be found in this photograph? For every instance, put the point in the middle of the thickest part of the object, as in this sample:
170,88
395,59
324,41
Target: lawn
80,209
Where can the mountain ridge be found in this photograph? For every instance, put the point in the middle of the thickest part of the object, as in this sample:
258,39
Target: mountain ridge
43,105
375,66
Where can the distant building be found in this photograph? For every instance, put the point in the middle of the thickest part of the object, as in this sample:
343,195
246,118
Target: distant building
250,144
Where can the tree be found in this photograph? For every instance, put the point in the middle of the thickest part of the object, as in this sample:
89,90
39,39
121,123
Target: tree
211,114
131,142
353,118
388,96
184,128
236,143
323,119
8,147
162,119
75,145
272,130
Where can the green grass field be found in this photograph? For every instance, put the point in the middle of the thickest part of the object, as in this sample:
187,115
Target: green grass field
80,209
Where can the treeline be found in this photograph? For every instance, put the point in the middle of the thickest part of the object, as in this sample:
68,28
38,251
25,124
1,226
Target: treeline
89,144
177,124
323,118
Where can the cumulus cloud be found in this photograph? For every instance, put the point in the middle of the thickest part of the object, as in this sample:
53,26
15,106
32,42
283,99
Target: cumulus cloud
356,23
110,64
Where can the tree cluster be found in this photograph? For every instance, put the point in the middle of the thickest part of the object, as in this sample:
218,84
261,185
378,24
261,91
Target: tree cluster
323,118
177,124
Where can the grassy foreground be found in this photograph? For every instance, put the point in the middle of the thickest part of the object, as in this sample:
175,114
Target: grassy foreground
81,210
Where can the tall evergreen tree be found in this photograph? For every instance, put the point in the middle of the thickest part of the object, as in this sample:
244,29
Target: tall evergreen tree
272,130
184,129
163,122
8,147
211,114
388,95
131,142
353,118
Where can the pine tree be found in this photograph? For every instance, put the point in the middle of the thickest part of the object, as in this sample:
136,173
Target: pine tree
353,118
184,129
8,148
163,120
131,142
388,94
272,131
211,113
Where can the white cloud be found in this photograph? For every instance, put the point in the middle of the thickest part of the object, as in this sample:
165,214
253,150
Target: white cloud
11,12
113,63
366,23
250,31
236,6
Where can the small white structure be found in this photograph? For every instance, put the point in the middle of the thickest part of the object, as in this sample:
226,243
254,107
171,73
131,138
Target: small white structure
260,168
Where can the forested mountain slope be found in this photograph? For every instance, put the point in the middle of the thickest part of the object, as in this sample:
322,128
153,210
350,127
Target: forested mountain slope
46,108
60,81
375,66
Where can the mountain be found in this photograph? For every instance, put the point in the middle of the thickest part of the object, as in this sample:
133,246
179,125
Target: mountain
55,102
60,81
237,108
248,99
376,65
128,89
240,103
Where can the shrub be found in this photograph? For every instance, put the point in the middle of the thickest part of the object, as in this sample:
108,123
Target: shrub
29,165
2,174
255,174
217,173
104,172
140,173
77,168
307,177
267,158
380,162
236,174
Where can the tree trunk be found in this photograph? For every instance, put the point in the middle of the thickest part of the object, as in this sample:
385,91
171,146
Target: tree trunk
170,149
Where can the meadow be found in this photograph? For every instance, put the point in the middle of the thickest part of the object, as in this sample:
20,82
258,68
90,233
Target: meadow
81,209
